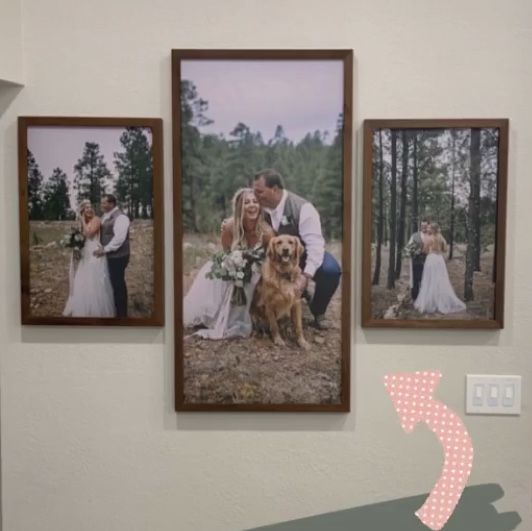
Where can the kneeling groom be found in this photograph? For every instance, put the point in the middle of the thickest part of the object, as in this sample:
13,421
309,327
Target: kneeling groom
288,213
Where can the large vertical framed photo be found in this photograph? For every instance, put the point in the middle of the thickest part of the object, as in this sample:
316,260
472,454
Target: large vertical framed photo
262,228
434,223
91,221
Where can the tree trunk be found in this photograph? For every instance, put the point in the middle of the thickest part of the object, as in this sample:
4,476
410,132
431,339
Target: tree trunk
453,165
393,213
402,208
475,189
478,246
415,210
192,199
380,226
472,214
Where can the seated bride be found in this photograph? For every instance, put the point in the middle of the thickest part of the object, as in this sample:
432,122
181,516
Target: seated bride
209,302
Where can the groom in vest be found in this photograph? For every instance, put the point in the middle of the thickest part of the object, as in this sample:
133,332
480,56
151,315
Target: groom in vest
288,213
114,238
417,263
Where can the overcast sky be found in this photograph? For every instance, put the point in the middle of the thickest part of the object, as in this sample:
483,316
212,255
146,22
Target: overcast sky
302,96
59,146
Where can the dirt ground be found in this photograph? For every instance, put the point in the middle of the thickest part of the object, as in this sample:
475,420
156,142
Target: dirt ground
254,370
397,303
49,267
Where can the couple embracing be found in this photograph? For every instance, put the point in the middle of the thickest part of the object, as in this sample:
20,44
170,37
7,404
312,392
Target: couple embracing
431,287
259,214
97,286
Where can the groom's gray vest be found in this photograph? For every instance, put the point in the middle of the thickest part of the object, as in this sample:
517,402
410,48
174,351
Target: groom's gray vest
290,221
418,240
107,232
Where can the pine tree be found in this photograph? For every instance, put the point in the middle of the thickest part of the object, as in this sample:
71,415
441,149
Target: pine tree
56,204
393,213
134,168
402,207
415,195
473,214
193,167
380,215
35,180
90,174
328,188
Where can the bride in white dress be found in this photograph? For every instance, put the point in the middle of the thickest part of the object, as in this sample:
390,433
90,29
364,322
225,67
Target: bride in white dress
436,294
90,291
208,301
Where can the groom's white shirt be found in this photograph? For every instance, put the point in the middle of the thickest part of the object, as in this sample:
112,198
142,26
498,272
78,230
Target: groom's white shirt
120,229
309,229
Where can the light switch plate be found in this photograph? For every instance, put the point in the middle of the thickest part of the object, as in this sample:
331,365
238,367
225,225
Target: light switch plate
492,394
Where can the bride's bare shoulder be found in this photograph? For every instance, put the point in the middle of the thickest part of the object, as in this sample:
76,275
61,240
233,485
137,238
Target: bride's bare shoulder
227,233
228,223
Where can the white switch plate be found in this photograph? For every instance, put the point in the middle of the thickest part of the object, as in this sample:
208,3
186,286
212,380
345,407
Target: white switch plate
492,394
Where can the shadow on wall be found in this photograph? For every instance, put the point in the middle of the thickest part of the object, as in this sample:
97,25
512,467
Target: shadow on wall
474,512
8,92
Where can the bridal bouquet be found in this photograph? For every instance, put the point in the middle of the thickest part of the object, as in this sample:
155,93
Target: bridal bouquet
412,250
74,240
237,266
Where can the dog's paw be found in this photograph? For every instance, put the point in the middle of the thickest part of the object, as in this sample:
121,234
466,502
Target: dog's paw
303,343
279,341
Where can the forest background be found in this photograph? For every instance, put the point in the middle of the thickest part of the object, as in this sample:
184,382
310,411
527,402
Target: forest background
53,200
448,176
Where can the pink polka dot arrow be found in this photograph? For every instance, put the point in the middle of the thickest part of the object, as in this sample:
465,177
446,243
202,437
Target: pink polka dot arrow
412,397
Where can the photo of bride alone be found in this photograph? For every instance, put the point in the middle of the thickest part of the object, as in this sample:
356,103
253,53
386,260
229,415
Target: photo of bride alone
90,213
262,224
436,221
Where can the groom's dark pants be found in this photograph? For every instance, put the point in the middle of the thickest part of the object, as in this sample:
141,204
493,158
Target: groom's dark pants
117,270
327,278
417,274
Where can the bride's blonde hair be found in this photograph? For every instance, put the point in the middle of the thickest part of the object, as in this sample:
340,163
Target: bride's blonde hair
82,206
439,245
239,236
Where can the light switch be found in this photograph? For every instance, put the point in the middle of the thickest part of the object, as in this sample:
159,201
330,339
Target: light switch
478,398
488,394
508,395
493,399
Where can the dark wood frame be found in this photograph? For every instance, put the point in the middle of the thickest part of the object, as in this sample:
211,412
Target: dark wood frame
498,321
347,57
155,124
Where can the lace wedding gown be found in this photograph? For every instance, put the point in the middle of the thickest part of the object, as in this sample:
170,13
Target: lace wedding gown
91,294
436,294
208,304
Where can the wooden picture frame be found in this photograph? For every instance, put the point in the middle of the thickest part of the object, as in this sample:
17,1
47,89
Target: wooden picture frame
450,158
68,160
218,378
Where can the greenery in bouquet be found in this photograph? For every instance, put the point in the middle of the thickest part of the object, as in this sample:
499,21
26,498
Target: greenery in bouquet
412,250
74,240
237,266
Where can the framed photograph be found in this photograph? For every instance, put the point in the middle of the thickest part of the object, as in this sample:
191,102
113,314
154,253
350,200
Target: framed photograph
434,223
91,221
262,188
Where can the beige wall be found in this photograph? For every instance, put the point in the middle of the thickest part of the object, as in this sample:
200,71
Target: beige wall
89,437
11,65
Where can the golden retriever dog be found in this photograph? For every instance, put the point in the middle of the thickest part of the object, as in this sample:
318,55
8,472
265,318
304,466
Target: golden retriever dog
276,295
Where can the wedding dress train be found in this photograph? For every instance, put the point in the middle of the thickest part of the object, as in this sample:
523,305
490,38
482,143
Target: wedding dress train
208,304
90,293
436,294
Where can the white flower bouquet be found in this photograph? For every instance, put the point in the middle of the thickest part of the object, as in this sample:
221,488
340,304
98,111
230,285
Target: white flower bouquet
74,240
412,250
237,266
